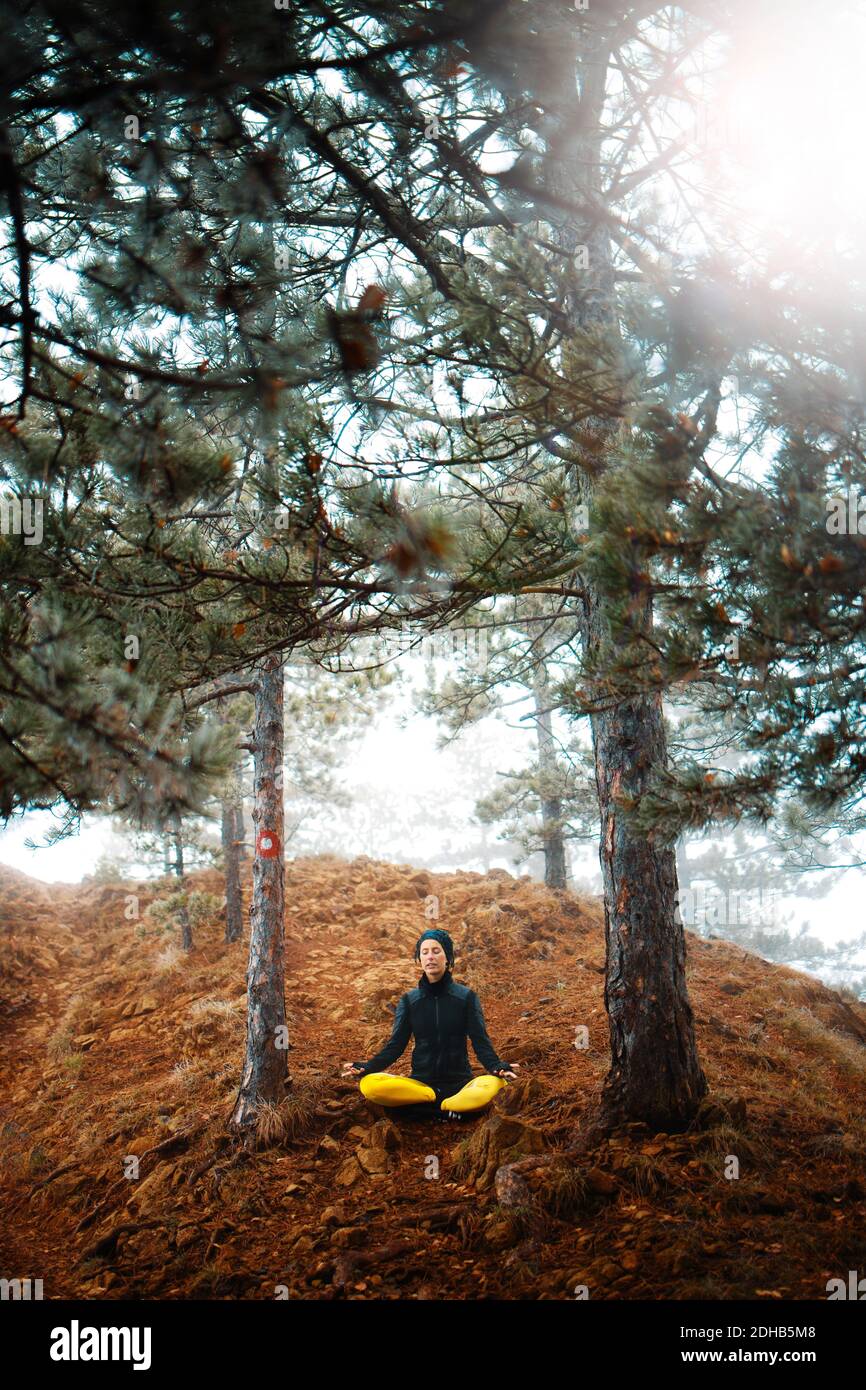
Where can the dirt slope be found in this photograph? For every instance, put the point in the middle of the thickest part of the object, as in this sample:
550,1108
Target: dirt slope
118,1045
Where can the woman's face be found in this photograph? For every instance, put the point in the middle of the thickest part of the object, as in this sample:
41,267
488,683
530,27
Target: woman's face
433,960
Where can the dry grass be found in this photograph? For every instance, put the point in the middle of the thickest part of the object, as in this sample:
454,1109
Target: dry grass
714,1145
72,1064
291,1118
824,1042
645,1175
169,960
60,1045
767,1055
183,1076
566,1193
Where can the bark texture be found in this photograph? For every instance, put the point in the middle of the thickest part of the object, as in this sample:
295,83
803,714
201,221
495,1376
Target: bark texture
183,914
231,864
240,831
655,1073
265,1069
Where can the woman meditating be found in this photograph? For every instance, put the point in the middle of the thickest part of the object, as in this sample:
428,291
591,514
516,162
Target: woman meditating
441,1014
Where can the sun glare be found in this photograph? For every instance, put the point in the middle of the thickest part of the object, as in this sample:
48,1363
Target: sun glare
788,125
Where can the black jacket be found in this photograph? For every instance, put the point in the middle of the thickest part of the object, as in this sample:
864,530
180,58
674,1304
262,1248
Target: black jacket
441,1017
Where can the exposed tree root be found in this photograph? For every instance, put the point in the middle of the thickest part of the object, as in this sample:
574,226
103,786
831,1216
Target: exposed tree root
348,1262
106,1246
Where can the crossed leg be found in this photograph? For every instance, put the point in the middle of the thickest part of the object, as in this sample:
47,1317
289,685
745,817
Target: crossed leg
474,1095
381,1088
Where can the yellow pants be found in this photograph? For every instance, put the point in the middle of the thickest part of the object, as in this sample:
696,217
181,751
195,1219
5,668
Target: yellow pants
382,1088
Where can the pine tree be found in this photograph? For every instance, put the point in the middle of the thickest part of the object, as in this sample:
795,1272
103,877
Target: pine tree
168,363
686,582
524,646
583,378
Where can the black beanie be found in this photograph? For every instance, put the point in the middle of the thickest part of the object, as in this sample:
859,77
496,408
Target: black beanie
444,940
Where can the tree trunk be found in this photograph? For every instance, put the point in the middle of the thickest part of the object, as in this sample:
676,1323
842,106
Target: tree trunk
240,832
655,1073
264,1071
185,928
553,843
234,903
178,847
183,913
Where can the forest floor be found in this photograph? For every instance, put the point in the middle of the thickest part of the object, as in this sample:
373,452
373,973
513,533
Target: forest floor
118,1044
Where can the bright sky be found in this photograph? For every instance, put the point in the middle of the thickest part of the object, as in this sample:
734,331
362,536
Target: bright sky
793,114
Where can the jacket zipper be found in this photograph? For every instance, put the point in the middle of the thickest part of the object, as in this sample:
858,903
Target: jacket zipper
438,1039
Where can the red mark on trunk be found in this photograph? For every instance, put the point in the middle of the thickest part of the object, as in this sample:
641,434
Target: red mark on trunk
267,844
